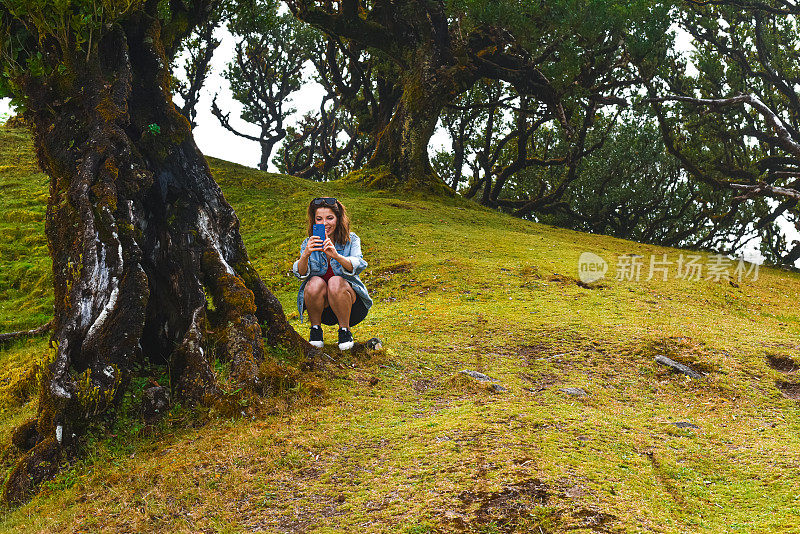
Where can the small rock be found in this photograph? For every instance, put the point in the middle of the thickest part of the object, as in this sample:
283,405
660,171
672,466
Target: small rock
373,380
494,386
578,392
688,371
476,375
684,424
374,344
155,403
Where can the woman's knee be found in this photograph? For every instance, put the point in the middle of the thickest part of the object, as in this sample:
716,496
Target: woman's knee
339,286
316,287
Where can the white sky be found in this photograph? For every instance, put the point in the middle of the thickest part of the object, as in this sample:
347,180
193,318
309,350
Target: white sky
214,140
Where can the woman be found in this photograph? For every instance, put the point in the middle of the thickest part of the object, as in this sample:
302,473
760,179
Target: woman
331,290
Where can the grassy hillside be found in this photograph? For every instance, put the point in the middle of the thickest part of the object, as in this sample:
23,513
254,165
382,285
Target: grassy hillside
404,442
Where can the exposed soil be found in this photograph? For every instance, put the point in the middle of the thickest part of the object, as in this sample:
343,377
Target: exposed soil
422,385
529,506
684,350
541,382
505,509
592,519
782,364
790,390
529,353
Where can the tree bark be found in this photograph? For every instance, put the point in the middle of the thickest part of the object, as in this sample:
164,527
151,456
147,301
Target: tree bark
401,160
403,145
147,255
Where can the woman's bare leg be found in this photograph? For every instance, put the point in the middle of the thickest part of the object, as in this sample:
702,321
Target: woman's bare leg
341,298
315,296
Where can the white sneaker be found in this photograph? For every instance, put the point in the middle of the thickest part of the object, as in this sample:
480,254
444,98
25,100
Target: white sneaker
345,339
315,337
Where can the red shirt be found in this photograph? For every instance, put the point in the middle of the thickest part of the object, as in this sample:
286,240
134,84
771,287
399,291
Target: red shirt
327,276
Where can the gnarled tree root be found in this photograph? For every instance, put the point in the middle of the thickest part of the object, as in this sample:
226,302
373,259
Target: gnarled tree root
12,336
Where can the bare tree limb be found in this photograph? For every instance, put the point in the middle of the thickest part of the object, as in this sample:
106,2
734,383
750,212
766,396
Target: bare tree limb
11,336
784,139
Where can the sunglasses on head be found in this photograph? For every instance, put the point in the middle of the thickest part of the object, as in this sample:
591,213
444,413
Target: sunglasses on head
327,201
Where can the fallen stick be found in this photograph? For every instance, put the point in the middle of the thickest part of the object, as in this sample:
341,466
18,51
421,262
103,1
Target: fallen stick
11,336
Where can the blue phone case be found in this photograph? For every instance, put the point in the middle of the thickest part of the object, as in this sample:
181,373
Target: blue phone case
319,231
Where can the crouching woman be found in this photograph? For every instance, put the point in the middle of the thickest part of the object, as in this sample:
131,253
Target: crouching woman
331,290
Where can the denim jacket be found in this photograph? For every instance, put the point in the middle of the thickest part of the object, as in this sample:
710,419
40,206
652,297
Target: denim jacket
318,266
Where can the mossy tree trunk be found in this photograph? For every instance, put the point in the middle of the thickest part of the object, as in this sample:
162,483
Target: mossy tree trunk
147,256
438,58
402,146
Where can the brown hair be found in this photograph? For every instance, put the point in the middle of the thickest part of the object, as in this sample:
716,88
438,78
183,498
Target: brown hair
341,234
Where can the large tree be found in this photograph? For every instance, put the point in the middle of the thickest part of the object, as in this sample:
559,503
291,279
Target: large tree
148,262
733,119
324,146
357,105
440,49
362,86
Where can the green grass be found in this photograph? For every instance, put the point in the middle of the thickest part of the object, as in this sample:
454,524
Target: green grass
425,449
25,275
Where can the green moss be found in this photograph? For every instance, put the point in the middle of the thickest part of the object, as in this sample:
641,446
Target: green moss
90,398
380,178
401,441
372,176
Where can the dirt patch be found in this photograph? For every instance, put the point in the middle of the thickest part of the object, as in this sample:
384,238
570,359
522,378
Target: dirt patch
569,280
506,510
790,390
562,279
407,205
379,277
292,525
529,353
529,506
592,519
310,472
540,382
531,272
684,350
782,364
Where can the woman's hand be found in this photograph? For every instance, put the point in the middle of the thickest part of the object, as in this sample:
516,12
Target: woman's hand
314,244
329,249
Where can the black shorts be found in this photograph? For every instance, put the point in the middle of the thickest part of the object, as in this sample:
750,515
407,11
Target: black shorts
357,314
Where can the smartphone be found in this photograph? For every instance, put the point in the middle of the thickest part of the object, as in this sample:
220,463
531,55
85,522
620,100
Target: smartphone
319,231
